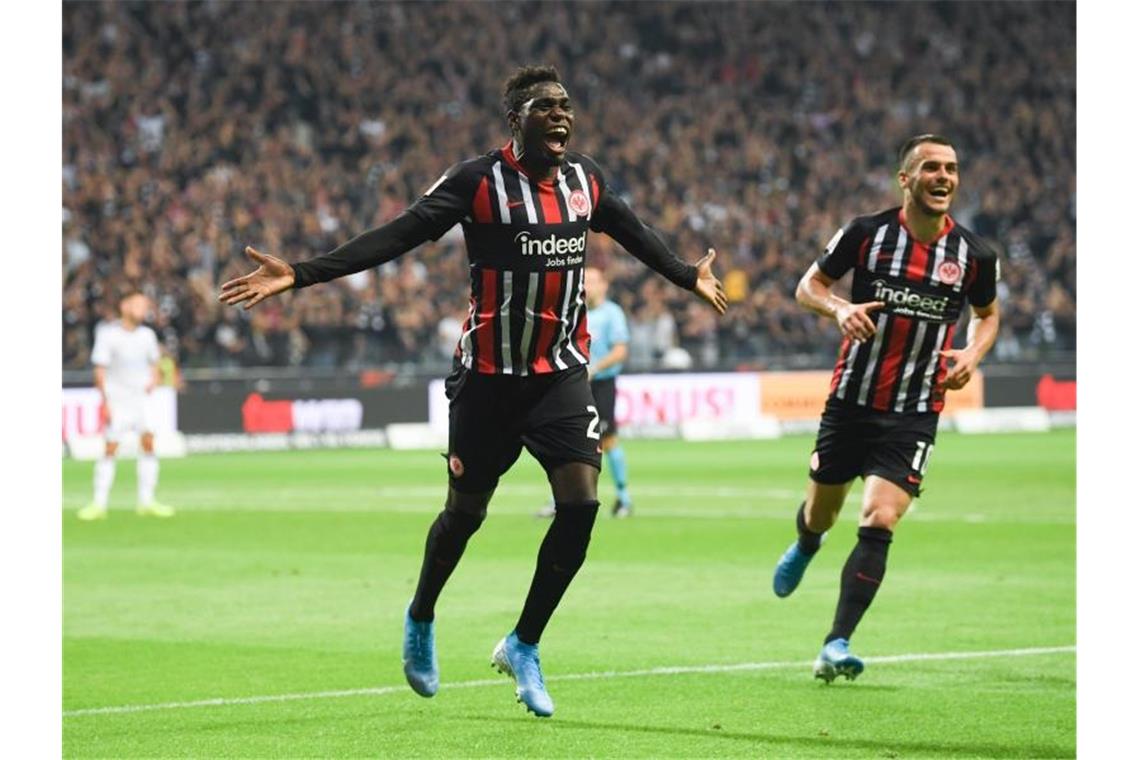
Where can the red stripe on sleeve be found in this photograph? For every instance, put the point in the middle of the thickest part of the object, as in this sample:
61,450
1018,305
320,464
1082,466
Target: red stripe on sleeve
863,251
485,319
548,318
481,208
916,267
892,363
551,214
594,190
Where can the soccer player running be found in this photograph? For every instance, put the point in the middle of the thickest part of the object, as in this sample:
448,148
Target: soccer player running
519,376
126,358
915,269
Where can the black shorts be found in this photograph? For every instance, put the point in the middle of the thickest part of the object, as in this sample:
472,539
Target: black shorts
493,416
855,440
605,396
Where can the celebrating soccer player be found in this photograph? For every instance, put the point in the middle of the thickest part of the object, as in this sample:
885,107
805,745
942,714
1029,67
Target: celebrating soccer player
914,270
519,374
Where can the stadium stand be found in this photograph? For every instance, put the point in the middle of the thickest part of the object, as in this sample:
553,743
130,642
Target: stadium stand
193,129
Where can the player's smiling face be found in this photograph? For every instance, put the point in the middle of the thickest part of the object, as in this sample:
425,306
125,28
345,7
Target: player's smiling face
545,122
930,178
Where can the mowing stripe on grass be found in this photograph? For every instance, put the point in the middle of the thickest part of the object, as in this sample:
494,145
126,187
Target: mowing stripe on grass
662,671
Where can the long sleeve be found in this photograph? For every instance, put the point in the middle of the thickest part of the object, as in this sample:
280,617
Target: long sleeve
615,218
366,250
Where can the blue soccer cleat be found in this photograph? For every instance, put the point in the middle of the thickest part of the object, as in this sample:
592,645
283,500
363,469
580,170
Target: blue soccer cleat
790,570
420,667
520,662
835,660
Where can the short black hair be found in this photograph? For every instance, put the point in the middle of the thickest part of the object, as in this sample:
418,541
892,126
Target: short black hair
518,85
910,145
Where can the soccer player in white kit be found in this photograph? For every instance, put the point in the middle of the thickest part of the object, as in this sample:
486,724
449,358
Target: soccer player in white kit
126,357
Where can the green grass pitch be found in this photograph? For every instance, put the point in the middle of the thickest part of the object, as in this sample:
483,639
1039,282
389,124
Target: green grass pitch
265,619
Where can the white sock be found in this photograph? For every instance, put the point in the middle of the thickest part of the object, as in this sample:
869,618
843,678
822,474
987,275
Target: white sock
148,477
104,479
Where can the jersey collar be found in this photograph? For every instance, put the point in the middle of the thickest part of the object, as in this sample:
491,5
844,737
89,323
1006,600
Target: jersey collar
946,227
508,151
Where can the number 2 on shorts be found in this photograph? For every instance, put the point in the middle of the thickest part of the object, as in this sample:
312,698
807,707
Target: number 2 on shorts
592,430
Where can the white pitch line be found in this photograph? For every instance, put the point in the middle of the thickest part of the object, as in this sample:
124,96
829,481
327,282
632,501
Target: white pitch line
593,676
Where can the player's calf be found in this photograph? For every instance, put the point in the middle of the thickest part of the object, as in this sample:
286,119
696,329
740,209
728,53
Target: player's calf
561,555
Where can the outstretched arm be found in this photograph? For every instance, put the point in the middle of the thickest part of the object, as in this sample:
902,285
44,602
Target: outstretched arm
369,249
617,220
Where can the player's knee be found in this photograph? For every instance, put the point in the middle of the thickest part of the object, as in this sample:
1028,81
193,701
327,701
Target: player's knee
820,517
881,515
146,442
574,483
111,449
572,526
464,523
470,505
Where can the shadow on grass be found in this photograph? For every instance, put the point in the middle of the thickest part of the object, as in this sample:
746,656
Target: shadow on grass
211,729
820,744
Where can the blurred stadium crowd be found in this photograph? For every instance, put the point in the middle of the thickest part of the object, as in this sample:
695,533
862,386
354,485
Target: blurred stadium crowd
193,129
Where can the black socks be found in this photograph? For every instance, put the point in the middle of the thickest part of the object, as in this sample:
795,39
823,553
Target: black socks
446,540
861,577
808,541
562,552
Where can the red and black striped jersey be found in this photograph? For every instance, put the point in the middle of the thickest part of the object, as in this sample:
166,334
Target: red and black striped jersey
925,287
526,245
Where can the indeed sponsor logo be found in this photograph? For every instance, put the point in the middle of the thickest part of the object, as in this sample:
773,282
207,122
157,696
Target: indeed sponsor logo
553,245
905,298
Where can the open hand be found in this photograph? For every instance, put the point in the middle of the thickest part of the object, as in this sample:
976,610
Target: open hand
271,277
708,286
855,320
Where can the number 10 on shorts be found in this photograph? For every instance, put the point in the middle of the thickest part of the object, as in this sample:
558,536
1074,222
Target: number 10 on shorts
922,451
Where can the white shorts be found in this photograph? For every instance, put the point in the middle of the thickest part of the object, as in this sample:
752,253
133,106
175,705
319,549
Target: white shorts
129,413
